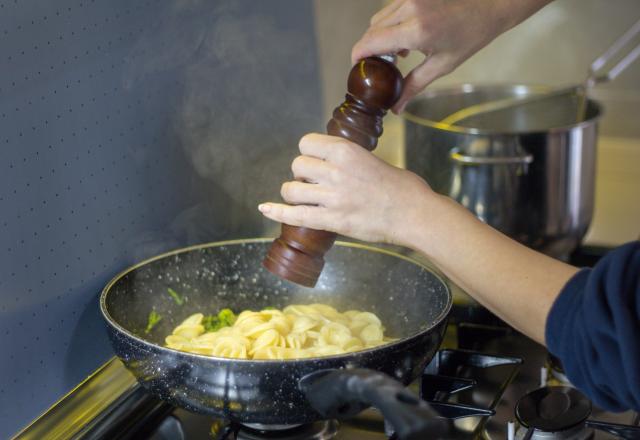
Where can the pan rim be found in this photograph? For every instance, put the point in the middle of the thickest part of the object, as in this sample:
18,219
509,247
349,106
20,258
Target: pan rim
150,345
410,116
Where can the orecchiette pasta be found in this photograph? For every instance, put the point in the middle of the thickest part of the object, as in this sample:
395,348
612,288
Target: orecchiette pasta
297,331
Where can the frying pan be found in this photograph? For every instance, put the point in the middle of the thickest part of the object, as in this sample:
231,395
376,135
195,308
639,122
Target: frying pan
411,301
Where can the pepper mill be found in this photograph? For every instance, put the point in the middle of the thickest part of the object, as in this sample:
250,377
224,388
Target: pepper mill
374,86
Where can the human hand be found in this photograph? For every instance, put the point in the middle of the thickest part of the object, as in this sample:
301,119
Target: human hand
351,192
447,32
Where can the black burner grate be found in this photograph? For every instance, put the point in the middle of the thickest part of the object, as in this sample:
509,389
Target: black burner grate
466,384
447,385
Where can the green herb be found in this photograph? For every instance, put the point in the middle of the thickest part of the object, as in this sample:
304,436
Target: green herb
176,296
153,319
227,317
213,323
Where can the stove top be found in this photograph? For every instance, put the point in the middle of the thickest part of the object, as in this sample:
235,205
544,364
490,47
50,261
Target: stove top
487,380
477,381
473,390
463,386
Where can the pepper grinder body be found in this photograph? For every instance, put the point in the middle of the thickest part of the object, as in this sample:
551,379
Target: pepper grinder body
374,86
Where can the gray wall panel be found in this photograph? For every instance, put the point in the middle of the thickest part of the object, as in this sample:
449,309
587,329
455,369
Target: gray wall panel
126,129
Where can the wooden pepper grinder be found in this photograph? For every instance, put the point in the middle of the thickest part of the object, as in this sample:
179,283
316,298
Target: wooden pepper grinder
374,86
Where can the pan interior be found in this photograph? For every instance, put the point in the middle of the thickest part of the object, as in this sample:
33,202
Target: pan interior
407,297
559,111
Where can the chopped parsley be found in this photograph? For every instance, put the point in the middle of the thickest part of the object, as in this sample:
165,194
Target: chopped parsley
179,299
213,323
153,319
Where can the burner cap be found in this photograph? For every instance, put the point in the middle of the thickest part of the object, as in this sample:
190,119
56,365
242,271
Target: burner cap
553,409
324,430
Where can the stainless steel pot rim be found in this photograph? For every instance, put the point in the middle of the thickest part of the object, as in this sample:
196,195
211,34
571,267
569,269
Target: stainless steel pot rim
468,88
152,346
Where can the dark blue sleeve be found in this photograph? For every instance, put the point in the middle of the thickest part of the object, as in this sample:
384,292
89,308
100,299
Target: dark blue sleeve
594,329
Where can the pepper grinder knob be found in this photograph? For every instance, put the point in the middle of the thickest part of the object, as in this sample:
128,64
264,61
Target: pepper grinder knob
374,86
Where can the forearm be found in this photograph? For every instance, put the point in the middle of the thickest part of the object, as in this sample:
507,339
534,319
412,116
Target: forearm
516,283
513,12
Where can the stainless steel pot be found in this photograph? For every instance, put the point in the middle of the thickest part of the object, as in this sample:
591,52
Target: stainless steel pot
528,172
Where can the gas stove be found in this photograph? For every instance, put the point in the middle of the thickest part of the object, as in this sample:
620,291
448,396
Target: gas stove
468,388
458,384
486,382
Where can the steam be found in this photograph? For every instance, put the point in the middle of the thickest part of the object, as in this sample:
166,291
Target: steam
249,90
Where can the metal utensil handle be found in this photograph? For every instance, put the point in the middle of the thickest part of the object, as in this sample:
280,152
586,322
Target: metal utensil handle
622,431
344,393
529,434
598,74
456,156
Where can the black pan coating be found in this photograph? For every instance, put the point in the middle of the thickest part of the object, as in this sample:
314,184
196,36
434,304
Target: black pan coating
411,301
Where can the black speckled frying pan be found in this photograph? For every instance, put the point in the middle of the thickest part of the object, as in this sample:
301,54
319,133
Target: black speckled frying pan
412,302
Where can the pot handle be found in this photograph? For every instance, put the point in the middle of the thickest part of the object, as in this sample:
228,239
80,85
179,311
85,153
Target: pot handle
344,393
464,159
622,431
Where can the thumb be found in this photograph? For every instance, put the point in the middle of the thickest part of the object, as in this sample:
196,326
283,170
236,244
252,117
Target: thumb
432,68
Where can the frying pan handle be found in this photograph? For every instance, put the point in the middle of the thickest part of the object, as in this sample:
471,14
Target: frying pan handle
344,393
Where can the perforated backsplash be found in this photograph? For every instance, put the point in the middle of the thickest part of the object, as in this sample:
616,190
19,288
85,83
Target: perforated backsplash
126,129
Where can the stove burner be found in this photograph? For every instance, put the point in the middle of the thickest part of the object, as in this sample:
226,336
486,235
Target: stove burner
553,409
324,430
576,433
264,427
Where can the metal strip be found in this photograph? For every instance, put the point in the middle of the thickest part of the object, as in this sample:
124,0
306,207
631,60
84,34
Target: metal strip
464,159
89,401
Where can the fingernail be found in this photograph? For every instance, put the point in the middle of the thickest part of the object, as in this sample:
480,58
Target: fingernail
264,208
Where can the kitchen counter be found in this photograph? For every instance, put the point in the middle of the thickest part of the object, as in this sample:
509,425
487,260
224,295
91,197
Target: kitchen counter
616,217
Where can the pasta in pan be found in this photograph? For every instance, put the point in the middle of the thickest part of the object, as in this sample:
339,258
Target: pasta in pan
297,331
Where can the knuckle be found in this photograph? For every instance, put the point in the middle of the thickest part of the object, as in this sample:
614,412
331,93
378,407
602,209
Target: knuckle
412,6
306,139
332,200
285,190
416,180
307,142
423,183
297,164
343,151
346,225
335,175
338,154
448,67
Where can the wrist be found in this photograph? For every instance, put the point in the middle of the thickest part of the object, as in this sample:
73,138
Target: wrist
441,222
419,223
